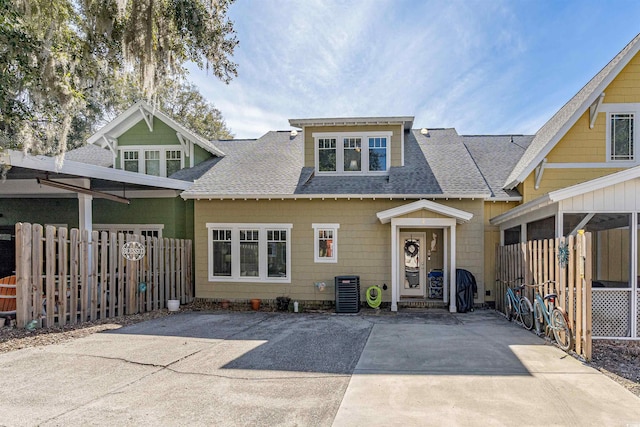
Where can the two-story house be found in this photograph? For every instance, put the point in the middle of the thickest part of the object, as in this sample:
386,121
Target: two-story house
286,213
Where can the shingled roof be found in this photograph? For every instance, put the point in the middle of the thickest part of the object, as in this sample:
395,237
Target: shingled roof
436,165
495,156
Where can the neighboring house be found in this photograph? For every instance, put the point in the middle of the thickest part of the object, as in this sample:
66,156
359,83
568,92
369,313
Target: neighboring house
582,171
128,180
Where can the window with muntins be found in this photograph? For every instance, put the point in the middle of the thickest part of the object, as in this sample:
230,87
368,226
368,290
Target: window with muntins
156,161
622,136
325,242
173,161
357,153
152,162
327,154
249,252
130,161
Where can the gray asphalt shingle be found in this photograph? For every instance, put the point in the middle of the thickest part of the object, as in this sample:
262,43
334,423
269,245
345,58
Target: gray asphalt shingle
495,156
91,154
437,164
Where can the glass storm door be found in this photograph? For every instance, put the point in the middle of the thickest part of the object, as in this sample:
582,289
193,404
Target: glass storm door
412,264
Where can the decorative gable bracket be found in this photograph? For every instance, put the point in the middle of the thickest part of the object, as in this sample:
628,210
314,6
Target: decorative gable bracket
594,110
187,146
111,143
148,118
539,172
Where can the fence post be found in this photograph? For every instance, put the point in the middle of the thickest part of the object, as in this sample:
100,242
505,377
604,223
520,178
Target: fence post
23,272
587,298
63,261
579,276
50,267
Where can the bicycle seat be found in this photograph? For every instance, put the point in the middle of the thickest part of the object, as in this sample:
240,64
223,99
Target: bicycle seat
554,296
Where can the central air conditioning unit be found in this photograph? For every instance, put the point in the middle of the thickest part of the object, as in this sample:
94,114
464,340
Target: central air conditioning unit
347,294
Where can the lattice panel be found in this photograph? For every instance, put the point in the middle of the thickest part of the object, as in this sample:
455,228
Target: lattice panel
611,313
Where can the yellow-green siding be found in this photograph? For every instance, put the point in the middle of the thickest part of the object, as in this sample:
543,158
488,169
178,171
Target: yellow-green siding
364,244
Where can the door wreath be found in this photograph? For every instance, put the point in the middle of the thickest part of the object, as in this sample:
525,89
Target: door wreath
411,248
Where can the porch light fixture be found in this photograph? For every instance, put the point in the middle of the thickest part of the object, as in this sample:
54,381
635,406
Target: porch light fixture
76,189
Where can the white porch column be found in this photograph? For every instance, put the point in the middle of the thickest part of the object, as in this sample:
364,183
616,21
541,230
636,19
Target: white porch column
452,274
395,286
523,232
633,228
85,213
445,267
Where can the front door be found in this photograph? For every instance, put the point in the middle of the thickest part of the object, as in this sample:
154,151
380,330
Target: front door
412,264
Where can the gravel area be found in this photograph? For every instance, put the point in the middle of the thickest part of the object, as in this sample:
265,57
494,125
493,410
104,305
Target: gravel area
619,360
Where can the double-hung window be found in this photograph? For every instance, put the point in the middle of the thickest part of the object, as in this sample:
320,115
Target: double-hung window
130,161
152,162
249,252
621,136
173,161
358,153
325,237
326,154
155,160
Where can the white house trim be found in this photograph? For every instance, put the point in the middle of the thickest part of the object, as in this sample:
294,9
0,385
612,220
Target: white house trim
69,167
142,110
448,225
459,215
449,248
594,110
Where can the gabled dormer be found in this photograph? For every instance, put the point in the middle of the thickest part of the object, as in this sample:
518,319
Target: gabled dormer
353,146
143,139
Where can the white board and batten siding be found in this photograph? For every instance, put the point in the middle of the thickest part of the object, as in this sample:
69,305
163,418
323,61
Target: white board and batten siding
621,197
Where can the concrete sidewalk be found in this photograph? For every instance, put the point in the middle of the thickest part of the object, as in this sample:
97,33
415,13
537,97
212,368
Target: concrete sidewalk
430,368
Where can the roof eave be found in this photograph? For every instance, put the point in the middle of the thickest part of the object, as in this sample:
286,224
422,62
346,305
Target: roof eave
85,170
213,196
405,121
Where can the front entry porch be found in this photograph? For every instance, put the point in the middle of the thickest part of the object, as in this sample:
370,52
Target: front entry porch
423,264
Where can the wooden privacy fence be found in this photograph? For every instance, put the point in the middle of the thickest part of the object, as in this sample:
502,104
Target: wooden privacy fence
567,262
65,277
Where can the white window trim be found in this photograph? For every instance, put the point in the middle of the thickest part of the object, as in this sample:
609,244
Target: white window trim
137,228
316,247
235,252
340,136
631,108
141,149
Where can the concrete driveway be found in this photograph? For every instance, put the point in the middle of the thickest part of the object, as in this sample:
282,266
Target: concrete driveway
431,368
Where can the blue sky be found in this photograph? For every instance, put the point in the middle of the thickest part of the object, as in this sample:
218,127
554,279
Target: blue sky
483,67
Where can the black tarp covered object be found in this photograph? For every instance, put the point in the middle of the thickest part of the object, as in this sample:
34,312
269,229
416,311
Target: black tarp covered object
465,288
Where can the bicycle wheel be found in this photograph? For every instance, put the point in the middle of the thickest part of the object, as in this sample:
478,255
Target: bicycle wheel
508,307
561,330
526,313
538,317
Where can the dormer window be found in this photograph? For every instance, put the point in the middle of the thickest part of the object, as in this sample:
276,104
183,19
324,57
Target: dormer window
358,153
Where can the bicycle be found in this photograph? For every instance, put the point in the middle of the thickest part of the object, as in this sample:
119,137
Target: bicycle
517,305
552,318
